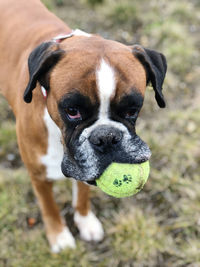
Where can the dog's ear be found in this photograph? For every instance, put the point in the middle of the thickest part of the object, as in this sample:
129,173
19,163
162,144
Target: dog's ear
156,66
41,60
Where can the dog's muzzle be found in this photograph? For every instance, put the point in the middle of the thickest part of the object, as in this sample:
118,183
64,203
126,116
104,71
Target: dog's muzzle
103,145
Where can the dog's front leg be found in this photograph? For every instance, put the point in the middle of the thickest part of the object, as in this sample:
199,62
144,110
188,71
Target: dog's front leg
57,232
89,226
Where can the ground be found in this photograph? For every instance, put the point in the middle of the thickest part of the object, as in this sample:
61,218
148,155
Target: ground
160,226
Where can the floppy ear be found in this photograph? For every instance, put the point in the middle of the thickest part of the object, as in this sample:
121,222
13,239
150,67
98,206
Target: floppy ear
156,66
41,60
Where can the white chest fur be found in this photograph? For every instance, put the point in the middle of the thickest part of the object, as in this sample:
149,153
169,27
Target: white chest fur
52,160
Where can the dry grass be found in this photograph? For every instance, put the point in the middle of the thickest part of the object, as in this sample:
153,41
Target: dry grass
161,225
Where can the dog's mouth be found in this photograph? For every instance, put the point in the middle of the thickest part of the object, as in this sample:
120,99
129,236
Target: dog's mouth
92,182
91,171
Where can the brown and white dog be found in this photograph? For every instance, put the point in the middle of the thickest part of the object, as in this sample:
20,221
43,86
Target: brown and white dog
76,98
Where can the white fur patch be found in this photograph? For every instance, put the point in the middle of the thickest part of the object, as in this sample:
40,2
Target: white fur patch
106,85
52,160
89,226
78,32
64,239
87,131
44,91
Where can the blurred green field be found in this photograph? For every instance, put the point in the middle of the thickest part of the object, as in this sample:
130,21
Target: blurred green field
161,225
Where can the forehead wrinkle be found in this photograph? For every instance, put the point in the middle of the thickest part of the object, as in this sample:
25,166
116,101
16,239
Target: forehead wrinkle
121,73
87,73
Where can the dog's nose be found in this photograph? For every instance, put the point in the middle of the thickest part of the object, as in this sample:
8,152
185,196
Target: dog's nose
105,137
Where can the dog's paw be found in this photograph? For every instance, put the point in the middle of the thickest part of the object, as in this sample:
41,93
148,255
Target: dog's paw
89,226
63,240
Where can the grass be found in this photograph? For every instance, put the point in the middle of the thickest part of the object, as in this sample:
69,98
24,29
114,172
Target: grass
160,226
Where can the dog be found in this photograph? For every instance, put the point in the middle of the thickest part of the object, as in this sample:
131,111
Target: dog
76,98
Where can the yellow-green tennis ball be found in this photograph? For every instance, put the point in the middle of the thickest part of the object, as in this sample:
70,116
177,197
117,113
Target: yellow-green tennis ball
123,180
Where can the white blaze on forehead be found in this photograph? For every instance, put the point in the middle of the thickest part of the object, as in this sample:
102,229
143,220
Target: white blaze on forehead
106,85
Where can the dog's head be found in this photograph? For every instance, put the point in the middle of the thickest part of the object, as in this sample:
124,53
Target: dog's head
95,92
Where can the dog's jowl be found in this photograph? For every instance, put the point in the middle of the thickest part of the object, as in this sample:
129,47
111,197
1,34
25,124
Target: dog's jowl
76,97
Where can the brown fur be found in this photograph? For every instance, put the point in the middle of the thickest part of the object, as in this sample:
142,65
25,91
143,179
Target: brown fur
83,204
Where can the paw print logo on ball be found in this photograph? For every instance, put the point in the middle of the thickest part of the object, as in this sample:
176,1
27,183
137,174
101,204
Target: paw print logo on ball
117,182
126,179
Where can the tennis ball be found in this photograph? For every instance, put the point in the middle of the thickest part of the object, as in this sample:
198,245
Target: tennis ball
123,180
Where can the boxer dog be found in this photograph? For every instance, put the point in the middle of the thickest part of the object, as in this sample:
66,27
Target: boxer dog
76,97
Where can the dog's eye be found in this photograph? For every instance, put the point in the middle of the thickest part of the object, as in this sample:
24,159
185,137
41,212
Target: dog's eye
73,114
131,113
